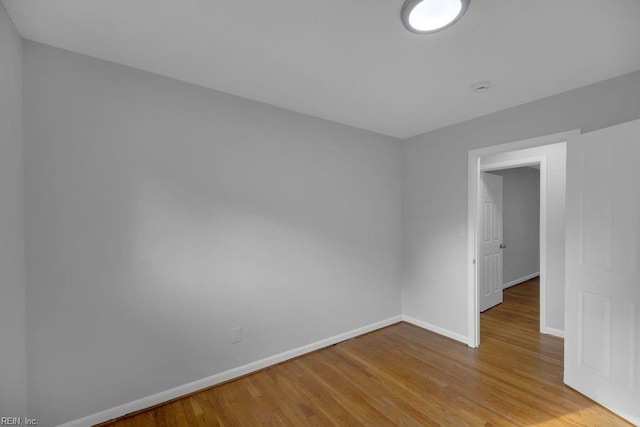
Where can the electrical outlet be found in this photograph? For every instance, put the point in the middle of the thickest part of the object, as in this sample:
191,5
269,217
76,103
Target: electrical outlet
236,335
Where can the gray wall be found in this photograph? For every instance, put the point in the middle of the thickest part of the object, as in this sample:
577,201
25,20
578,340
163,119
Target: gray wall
159,215
521,222
435,174
13,397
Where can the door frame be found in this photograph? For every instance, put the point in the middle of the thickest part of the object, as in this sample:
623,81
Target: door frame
473,217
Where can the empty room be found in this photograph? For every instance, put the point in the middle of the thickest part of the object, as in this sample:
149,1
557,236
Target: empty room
340,213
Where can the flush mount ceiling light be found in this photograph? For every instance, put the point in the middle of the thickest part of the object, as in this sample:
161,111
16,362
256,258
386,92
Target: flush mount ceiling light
429,16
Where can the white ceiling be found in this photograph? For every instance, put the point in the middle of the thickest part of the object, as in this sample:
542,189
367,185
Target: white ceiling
352,61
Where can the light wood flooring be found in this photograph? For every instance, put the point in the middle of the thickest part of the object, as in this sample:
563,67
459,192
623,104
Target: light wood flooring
404,375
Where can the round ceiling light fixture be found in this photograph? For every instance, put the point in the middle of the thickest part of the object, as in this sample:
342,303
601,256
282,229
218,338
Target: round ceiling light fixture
430,16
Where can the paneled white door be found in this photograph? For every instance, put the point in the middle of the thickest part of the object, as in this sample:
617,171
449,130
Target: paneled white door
490,271
602,330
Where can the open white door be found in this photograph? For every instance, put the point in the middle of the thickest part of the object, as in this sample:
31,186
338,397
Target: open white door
602,331
490,271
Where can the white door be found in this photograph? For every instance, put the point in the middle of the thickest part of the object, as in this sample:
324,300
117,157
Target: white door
490,271
602,331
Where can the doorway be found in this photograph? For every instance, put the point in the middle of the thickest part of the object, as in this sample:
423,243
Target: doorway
510,246
549,154
595,221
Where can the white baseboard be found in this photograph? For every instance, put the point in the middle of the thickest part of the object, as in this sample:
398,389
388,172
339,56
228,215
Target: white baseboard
221,377
520,280
554,332
433,328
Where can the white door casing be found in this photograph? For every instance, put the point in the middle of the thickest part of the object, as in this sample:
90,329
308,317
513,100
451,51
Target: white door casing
490,271
602,316
474,203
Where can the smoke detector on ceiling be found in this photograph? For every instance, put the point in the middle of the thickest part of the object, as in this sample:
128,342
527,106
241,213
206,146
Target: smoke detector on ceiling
481,87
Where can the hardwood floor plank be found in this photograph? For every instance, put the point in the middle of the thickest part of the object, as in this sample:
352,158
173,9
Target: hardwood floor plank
404,375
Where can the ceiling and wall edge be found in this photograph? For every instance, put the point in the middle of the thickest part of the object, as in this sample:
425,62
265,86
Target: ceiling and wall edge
324,60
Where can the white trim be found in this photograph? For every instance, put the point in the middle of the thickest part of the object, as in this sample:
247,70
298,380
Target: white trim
543,245
433,328
553,331
513,163
520,280
473,313
221,377
473,192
